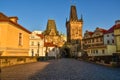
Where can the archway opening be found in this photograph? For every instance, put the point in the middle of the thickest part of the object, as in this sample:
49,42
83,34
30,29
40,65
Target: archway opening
65,53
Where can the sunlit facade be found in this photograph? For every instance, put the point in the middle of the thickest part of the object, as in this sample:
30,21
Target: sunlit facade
14,38
52,36
117,35
36,44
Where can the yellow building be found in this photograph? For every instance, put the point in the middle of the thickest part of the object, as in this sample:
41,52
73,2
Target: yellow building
14,38
117,35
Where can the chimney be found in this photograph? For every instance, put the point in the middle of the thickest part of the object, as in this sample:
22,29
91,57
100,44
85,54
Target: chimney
117,22
13,19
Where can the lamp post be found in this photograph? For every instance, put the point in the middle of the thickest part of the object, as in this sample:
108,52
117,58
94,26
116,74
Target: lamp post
38,48
32,53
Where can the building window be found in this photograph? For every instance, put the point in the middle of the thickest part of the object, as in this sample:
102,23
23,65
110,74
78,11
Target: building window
32,52
96,51
108,42
32,43
112,41
93,40
101,39
103,51
20,39
112,34
32,37
96,39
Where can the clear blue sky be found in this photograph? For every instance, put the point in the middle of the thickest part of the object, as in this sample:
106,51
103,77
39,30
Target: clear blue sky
34,14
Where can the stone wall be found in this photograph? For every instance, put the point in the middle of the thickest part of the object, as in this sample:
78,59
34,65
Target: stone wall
13,60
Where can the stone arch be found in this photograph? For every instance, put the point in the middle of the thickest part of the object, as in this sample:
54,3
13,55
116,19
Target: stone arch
65,53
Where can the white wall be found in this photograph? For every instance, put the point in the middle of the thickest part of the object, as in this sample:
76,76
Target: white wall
110,37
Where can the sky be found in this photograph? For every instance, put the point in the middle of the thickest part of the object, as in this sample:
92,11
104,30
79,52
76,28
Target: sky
34,14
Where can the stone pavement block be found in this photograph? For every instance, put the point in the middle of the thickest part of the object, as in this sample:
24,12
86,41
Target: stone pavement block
62,69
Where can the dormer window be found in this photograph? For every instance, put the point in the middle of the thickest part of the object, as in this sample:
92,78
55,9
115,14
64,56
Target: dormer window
112,41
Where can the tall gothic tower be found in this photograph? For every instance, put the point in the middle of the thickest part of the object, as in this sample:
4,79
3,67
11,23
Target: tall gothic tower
74,26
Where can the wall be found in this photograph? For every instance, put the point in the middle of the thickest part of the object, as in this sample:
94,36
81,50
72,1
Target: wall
9,40
111,49
9,61
109,37
108,50
117,38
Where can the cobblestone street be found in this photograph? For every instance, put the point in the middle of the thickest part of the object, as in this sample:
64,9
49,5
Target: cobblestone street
62,69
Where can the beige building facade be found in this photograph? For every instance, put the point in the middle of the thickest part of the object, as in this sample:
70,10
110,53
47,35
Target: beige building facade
14,38
93,42
117,35
36,44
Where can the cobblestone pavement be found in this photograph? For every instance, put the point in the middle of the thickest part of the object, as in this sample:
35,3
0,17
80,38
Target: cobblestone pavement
23,71
62,69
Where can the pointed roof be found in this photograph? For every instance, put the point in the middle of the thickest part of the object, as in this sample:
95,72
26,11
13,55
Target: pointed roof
40,35
49,44
73,13
89,32
51,26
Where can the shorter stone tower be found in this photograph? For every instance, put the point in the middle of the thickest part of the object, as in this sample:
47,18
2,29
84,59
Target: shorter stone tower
52,35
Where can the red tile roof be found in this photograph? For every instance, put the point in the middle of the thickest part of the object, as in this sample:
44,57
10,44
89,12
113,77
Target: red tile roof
117,26
90,33
103,30
111,30
48,44
4,18
40,35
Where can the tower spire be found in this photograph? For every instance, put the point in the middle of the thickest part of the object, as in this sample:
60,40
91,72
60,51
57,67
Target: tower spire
51,26
81,17
73,13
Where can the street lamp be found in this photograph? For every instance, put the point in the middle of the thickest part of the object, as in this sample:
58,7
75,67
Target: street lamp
38,48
